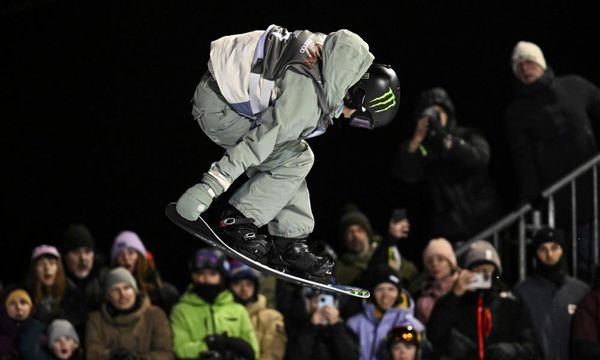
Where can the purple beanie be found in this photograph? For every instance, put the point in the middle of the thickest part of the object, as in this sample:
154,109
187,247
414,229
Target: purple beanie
126,239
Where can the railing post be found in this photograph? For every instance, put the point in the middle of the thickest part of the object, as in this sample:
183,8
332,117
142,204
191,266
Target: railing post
595,192
551,211
496,241
522,264
574,225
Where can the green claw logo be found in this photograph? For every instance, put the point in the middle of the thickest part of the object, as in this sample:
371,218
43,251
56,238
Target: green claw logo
387,101
359,292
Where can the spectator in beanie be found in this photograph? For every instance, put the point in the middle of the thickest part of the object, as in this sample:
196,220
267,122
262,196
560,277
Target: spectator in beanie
358,245
388,251
390,306
480,322
551,296
16,310
322,334
354,266
550,132
53,296
84,271
62,341
404,342
268,323
585,342
207,319
127,326
439,277
129,252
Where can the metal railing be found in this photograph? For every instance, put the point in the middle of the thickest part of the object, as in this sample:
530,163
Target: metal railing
519,217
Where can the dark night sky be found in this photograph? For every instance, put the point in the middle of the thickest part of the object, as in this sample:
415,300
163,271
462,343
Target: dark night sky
97,126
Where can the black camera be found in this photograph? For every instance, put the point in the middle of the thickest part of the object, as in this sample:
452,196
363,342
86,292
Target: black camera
435,129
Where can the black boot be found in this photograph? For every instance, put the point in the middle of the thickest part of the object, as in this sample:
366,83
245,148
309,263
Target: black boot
293,256
240,233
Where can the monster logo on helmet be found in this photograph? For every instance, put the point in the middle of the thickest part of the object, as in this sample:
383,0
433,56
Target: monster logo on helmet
375,97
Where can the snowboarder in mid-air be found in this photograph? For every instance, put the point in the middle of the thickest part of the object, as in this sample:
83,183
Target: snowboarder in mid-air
264,93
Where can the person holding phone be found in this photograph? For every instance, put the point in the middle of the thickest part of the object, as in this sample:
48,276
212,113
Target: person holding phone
390,306
479,318
323,334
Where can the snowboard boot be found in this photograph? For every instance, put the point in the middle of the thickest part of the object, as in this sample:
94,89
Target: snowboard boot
293,256
240,233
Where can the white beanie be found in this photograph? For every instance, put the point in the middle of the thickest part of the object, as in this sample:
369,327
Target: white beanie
441,247
525,50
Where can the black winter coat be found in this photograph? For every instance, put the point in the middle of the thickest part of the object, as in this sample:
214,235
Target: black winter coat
505,330
323,343
462,194
550,132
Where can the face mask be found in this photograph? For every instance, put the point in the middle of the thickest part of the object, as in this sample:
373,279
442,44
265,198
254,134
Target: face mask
208,292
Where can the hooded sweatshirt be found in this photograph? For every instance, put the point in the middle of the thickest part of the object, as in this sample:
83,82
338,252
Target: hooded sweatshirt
295,111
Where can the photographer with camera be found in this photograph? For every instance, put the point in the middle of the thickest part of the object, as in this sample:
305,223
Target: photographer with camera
479,319
453,161
322,333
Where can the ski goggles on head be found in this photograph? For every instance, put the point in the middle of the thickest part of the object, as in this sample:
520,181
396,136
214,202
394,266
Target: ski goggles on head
362,118
405,334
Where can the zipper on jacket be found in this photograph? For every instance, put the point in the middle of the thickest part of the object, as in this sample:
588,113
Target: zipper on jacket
212,318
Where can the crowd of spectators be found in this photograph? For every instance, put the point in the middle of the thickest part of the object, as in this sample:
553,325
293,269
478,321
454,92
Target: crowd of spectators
72,305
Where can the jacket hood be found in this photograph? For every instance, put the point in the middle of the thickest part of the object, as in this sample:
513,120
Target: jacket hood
437,96
346,58
396,315
258,305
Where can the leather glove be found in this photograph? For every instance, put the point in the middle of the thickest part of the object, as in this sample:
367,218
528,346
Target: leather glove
199,197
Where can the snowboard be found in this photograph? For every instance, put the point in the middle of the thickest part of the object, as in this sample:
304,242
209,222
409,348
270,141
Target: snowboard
205,232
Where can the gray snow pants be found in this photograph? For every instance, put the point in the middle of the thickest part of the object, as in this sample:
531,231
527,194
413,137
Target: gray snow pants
276,192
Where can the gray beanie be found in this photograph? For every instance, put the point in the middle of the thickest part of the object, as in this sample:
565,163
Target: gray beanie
61,327
482,252
117,275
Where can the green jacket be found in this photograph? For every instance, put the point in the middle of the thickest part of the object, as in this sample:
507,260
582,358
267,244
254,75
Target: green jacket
192,319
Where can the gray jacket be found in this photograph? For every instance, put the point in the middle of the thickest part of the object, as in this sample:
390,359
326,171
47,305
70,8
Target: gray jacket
551,310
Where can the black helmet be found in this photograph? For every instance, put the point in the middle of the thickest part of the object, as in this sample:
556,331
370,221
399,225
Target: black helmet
209,258
376,97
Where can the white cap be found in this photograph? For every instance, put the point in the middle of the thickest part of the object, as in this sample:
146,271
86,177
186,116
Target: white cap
527,51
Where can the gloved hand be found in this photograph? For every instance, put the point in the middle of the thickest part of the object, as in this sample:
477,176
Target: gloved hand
120,353
500,351
199,197
210,355
231,347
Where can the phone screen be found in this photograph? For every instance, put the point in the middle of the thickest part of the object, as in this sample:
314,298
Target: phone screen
325,300
481,281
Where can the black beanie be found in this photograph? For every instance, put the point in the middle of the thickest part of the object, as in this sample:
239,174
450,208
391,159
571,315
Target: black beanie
384,273
547,234
76,236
